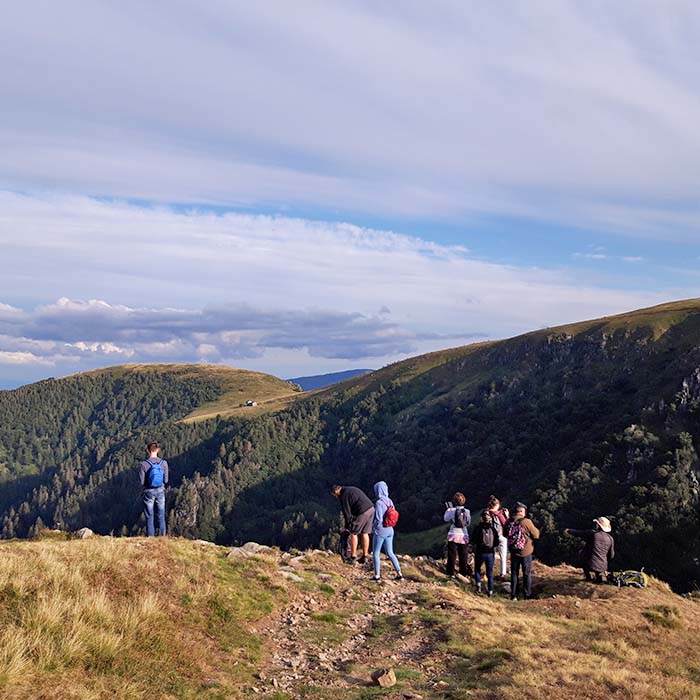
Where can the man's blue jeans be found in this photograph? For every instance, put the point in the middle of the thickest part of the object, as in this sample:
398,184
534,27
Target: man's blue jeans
157,497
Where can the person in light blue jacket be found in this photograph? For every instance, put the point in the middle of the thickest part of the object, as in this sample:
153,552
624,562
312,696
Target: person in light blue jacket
383,537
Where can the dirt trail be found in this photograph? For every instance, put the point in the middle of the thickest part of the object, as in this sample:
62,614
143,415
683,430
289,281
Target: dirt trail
574,639
340,626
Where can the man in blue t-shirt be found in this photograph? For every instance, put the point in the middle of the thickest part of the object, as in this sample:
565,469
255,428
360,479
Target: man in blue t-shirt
153,474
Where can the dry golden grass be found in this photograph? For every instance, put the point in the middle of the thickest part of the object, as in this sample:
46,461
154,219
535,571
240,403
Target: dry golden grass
576,640
165,618
239,386
131,619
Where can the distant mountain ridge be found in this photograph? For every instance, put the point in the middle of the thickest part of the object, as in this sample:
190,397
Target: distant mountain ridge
594,418
319,381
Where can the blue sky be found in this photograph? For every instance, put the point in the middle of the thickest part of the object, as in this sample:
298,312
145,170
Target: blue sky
336,184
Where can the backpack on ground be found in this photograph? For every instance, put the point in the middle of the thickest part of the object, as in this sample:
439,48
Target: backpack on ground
635,579
516,536
344,545
461,519
154,476
391,516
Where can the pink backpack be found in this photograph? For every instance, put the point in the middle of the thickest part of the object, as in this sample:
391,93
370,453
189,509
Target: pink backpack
516,536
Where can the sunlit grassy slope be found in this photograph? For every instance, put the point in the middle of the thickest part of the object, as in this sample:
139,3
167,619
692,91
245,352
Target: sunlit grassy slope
128,619
137,619
235,387
464,367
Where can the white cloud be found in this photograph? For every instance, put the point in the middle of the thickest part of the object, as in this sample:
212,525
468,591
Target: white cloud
22,358
77,331
156,284
590,256
553,110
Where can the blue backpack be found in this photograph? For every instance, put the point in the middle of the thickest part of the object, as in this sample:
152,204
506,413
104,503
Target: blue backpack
154,476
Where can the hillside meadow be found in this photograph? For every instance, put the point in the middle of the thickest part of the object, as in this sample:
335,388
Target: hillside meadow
169,618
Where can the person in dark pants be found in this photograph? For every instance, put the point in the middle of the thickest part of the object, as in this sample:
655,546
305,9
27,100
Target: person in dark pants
599,549
153,474
459,518
521,535
485,543
358,512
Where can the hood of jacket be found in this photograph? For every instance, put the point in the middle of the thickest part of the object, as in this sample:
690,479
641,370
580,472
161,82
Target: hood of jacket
381,490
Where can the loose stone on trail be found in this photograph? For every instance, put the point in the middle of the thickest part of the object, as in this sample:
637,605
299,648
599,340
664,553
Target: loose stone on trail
384,677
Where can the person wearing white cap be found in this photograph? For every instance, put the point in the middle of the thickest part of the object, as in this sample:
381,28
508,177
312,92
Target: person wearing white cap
599,549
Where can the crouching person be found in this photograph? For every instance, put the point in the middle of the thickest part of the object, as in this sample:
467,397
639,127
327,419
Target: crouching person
358,513
599,549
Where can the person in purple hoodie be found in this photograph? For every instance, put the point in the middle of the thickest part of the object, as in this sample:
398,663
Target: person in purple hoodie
383,537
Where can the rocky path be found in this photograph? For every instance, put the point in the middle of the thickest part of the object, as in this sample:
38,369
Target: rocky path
340,626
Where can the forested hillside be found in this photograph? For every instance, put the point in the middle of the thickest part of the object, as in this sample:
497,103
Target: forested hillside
600,417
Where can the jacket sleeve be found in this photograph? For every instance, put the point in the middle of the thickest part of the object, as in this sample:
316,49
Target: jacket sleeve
611,551
345,506
379,510
449,516
534,532
165,472
142,473
469,517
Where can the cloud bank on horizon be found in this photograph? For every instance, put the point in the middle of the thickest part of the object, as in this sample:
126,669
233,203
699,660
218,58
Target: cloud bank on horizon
175,176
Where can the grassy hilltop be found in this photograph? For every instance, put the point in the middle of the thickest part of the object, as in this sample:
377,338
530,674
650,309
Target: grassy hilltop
171,619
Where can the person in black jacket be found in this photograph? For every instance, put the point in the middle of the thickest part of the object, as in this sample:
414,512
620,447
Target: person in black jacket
485,543
599,549
358,513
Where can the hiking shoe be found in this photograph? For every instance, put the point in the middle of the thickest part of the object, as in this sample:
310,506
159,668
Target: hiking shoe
352,561
398,577
478,588
362,559
376,579
490,594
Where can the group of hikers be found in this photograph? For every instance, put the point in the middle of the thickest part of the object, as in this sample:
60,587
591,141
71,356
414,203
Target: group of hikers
499,531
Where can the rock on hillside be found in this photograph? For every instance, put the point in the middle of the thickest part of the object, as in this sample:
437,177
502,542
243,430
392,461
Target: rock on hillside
80,617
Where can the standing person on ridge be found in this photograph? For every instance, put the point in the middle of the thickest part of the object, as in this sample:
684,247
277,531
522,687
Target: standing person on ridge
358,513
382,534
521,533
458,535
599,549
500,516
485,543
153,474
